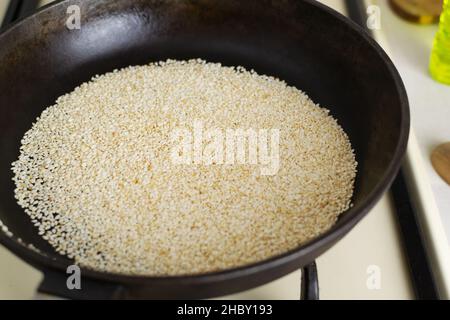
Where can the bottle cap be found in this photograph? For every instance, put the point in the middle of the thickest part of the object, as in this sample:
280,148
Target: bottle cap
418,11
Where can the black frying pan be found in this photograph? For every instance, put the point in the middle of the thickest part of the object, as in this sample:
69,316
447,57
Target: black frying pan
303,42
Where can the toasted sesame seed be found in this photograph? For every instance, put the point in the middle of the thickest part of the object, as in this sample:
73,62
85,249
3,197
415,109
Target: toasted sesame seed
95,176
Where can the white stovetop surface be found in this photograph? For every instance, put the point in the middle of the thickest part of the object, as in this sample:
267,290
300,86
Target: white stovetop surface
343,270
410,47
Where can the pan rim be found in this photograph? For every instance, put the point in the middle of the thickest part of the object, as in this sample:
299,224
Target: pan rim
340,229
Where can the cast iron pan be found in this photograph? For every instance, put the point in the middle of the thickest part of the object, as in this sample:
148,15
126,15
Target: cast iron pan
302,42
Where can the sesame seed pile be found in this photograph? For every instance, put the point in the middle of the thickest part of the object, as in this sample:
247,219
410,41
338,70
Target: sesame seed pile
95,174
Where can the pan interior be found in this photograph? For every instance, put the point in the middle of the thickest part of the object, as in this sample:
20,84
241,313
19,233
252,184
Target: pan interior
42,59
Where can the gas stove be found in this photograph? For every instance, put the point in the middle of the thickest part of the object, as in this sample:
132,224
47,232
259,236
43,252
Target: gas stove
372,262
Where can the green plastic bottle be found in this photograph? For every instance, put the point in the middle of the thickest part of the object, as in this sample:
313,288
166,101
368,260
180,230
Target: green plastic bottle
440,56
